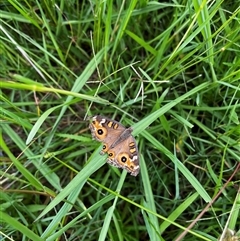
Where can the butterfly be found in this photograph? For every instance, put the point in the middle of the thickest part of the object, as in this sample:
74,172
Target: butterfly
118,143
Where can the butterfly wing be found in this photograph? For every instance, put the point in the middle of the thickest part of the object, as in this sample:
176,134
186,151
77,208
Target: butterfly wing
105,130
125,155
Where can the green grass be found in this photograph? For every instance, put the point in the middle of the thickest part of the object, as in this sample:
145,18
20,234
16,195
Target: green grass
170,70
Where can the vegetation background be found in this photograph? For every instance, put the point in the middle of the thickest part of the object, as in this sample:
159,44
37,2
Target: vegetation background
168,69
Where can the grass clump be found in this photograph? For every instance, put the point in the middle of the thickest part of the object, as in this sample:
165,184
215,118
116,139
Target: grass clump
170,70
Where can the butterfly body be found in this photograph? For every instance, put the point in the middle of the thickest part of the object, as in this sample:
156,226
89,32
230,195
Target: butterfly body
118,143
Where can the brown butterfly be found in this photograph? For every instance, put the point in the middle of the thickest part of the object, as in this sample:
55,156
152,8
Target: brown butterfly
118,143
